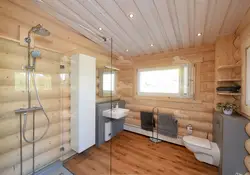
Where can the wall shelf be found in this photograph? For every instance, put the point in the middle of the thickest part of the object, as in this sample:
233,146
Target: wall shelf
228,67
229,80
229,93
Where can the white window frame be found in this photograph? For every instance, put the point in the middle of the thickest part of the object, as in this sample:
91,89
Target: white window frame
247,76
191,80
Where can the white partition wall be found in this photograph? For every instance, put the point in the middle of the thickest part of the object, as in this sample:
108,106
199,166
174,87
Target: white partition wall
83,96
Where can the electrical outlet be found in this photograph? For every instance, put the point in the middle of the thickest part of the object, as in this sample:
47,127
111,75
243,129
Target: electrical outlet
238,174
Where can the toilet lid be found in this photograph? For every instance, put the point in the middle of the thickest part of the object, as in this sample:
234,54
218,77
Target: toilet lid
196,141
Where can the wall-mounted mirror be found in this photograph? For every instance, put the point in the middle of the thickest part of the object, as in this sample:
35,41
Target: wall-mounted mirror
248,76
107,84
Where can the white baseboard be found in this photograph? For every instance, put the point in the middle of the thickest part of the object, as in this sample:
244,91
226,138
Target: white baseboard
138,130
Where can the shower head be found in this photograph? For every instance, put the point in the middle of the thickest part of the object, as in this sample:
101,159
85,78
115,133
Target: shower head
39,30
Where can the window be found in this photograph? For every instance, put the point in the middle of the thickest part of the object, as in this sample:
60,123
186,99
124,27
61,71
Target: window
107,82
173,81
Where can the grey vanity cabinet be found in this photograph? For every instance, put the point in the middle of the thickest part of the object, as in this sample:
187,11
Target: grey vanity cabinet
116,124
230,136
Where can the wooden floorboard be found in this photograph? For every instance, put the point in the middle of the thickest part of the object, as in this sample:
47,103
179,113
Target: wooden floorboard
133,154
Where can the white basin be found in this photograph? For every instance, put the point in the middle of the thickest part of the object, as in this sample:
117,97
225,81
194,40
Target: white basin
115,113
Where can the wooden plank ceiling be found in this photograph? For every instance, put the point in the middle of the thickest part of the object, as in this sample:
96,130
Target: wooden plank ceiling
156,25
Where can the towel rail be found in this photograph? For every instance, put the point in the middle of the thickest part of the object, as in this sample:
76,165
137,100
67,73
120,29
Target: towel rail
155,111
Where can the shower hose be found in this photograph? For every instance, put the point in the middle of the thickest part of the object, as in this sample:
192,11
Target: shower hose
25,115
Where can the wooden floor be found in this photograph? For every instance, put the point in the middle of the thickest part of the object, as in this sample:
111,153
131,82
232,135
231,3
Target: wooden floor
132,154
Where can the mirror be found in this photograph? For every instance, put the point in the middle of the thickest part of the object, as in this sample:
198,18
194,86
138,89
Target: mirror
107,84
248,77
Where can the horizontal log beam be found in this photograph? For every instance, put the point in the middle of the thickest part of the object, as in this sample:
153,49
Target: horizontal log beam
13,141
7,108
8,78
187,106
13,93
15,48
181,131
16,62
13,157
183,114
247,162
11,126
197,125
105,99
247,128
247,145
41,161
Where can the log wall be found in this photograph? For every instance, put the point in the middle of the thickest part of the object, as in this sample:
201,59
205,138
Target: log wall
55,96
198,111
227,50
17,17
56,102
244,42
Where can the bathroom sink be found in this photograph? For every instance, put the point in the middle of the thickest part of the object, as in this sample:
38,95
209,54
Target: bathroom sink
115,113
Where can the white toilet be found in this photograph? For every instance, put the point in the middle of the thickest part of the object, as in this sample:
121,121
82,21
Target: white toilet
203,149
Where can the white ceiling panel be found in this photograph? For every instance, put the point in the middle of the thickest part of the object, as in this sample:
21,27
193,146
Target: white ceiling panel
150,14
167,22
140,24
201,12
156,26
182,16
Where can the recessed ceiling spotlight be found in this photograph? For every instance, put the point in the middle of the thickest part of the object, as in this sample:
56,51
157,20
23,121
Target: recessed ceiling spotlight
131,15
151,45
40,1
199,34
126,50
100,28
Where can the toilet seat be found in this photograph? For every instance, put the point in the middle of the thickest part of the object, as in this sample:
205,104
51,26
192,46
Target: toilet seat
196,141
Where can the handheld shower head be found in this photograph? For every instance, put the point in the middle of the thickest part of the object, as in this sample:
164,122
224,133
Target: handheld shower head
35,53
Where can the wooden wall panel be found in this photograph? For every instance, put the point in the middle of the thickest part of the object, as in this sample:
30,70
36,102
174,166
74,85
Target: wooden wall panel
198,111
56,100
12,158
245,43
42,160
16,19
207,86
55,97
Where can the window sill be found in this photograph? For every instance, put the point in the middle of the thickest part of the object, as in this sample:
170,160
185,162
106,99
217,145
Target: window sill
170,99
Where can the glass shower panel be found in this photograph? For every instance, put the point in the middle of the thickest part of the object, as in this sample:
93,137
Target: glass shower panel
52,79
52,76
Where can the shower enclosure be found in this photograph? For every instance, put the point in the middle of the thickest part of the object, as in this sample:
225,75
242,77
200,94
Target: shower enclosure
35,102
35,108
23,112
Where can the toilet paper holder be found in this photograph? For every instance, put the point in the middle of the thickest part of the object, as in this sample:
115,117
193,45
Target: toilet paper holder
189,129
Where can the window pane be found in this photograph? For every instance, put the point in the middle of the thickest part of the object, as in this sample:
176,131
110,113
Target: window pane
185,80
160,81
108,81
